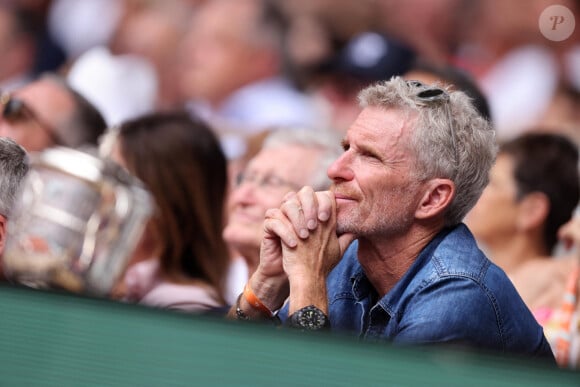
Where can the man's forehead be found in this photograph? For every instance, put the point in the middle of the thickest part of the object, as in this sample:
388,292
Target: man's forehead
378,123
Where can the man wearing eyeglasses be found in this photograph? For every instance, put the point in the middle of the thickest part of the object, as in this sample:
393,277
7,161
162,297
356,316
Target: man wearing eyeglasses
47,113
288,159
415,161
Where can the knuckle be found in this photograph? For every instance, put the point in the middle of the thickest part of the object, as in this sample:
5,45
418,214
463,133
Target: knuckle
288,196
306,190
271,213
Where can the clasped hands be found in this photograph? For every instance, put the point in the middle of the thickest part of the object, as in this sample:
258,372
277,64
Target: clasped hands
300,247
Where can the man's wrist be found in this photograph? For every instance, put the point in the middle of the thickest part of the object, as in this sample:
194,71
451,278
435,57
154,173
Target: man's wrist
255,301
245,310
308,290
272,292
240,314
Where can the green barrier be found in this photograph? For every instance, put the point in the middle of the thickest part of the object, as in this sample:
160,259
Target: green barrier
55,339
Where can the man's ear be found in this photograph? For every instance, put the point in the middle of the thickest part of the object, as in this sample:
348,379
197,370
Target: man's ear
533,210
437,197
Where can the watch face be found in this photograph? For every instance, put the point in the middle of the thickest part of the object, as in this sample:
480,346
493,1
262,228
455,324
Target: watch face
309,318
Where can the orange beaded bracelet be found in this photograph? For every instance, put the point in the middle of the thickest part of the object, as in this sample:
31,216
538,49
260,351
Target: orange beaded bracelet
255,302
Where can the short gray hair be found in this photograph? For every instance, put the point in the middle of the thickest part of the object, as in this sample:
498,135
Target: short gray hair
13,167
462,150
328,141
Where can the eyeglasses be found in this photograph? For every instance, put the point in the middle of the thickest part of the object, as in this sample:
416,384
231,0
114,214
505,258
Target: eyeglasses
267,182
15,110
428,95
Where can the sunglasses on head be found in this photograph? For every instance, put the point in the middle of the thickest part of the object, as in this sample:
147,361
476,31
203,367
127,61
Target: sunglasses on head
14,111
430,95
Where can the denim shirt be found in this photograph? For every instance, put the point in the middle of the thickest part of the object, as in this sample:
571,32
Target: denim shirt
451,294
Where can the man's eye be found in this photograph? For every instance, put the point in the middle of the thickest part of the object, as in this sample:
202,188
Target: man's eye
370,155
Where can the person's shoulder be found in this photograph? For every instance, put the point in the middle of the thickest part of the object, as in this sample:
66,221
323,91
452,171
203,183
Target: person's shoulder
541,282
458,255
458,260
544,268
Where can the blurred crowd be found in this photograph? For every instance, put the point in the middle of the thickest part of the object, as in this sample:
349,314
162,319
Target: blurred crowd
205,100
310,55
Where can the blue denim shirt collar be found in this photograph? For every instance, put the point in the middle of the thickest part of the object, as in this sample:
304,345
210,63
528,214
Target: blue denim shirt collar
362,288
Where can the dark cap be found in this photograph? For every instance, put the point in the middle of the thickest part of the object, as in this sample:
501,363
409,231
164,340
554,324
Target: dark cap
369,56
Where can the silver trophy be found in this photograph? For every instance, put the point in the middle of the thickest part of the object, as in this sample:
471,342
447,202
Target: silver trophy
75,224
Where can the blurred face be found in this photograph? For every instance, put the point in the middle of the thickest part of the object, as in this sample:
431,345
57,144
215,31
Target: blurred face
397,17
217,57
268,177
494,216
160,41
31,114
375,193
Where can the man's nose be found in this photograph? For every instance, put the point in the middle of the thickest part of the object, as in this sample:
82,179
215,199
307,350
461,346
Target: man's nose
340,169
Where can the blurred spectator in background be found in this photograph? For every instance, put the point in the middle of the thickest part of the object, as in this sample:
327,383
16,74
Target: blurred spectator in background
13,167
78,26
153,30
48,112
50,56
551,289
366,58
181,261
517,67
533,190
122,87
17,45
433,29
563,113
270,46
319,28
287,161
141,54
232,71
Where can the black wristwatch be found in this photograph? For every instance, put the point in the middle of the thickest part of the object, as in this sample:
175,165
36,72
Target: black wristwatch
309,318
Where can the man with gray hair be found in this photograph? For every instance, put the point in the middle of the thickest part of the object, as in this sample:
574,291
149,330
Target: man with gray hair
13,168
289,159
415,161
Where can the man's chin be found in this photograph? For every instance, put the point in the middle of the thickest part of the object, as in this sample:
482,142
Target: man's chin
341,229
344,225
